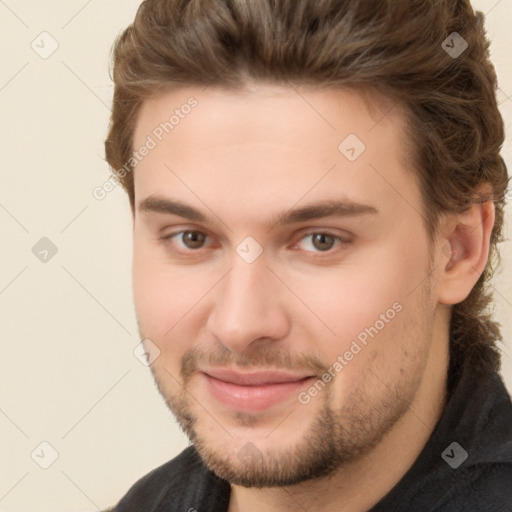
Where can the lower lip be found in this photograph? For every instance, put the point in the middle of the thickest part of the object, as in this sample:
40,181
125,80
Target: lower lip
253,398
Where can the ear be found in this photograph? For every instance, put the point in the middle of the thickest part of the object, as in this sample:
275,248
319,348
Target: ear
464,251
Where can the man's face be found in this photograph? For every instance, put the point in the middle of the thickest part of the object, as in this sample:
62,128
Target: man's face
341,306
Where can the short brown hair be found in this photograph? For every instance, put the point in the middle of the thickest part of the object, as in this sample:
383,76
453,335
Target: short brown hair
393,47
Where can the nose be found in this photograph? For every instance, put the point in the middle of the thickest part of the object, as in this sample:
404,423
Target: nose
248,307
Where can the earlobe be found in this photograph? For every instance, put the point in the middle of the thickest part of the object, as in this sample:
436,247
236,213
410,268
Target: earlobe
468,238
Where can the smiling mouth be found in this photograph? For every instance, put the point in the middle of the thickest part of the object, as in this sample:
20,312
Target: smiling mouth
253,392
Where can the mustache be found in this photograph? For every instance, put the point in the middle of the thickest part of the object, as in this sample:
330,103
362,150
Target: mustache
259,357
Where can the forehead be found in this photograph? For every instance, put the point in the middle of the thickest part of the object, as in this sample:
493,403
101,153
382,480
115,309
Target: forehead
266,112
273,143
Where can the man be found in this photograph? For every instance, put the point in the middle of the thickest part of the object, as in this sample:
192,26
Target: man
317,194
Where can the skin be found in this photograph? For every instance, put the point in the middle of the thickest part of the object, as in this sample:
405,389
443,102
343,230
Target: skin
242,158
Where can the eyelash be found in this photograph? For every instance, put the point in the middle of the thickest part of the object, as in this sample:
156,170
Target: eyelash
167,241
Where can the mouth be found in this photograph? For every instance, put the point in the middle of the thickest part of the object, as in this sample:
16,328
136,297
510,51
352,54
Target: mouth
255,391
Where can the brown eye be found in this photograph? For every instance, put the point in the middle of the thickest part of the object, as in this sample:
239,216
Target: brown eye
323,241
185,243
320,241
193,239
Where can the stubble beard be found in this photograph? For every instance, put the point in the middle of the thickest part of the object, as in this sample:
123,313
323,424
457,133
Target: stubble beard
335,437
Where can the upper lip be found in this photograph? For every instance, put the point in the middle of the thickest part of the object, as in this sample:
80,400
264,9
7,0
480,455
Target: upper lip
255,378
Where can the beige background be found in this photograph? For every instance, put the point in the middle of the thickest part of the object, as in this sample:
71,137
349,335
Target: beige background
68,376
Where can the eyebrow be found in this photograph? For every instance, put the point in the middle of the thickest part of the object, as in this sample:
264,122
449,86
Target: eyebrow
327,208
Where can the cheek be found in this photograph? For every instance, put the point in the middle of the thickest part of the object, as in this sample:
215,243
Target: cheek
168,300
158,310
366,302
157,292
348,299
